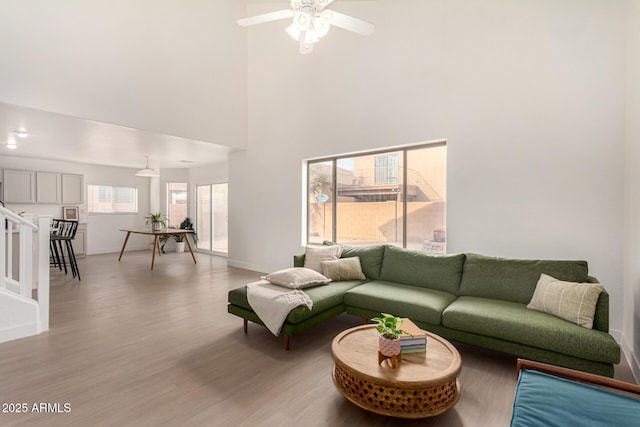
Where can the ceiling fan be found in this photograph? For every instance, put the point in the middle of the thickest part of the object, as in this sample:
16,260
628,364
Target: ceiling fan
311,22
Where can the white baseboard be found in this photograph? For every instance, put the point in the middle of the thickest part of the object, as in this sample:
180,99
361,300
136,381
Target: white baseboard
247,266
20,331
632,358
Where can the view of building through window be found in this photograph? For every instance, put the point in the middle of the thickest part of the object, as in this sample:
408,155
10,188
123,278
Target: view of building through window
211,217
396,197
176,203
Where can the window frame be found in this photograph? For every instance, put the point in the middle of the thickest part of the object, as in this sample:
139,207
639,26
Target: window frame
113,202
404,151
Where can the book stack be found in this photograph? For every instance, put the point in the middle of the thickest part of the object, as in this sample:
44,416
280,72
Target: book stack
415,339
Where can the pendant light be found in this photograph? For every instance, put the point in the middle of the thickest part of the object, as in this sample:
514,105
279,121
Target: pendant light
147,171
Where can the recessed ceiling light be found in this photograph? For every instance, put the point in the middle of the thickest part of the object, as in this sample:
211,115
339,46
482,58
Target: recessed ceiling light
21,134
12,146
186,161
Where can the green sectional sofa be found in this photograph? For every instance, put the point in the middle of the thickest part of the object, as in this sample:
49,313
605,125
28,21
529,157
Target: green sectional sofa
468,298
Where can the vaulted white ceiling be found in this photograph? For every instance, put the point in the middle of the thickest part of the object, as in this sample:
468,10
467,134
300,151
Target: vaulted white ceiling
111,81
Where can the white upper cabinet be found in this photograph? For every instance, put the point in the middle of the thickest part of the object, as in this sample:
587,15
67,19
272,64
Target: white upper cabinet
72,188
48,187
42,187
19,186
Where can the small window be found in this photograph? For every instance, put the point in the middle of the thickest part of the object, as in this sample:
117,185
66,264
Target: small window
108,199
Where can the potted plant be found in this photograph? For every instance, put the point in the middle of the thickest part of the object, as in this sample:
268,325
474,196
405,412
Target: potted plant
389,340
186,224
157,221
179,238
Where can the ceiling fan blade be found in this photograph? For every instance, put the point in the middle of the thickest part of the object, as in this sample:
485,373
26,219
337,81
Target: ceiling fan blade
350,23
267,17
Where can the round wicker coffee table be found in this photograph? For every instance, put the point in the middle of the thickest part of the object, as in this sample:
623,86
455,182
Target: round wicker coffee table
423,385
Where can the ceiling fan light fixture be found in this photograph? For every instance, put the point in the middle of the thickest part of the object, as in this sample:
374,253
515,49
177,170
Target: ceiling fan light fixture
302,20
311,22
322,23
293,31
147,172
309,37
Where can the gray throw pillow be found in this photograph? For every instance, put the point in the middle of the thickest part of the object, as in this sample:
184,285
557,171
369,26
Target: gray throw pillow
296,278
343,269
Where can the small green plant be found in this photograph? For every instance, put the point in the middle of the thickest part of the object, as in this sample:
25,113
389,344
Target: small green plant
186,224
157,217
388,326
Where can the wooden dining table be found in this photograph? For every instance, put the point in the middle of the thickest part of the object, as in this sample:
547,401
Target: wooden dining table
156,240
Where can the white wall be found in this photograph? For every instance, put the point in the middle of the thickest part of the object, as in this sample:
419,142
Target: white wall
103,235
172,67
631,324
529,95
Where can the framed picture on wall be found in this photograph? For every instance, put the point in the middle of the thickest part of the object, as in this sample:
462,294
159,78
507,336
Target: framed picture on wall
70,213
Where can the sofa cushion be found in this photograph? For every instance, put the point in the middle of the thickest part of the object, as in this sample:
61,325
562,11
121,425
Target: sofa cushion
313,255
323,297
514,322
575,302
370,257
514,279
440,272
343,269
419,304
544,400
296,278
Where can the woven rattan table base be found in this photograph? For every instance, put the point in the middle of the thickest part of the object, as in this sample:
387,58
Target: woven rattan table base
396,401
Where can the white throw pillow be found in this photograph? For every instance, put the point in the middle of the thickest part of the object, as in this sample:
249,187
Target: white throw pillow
296,278
313,255
572,301
343,269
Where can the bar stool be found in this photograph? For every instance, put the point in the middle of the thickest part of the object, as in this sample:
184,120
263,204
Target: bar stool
65,233
54,254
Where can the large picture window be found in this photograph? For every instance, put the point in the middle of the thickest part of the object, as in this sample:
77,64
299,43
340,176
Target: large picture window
108,199
394,196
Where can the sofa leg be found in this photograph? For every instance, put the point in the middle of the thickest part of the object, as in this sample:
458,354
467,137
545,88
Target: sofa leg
365,320
287,338
244,325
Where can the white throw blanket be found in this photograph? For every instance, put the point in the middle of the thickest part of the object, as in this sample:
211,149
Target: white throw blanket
272,303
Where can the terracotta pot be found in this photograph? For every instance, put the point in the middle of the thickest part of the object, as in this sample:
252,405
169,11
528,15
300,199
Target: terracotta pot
389,348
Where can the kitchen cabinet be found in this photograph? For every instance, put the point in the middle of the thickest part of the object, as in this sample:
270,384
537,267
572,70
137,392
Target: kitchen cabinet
72,189
80,242
48,187
42,187
18,186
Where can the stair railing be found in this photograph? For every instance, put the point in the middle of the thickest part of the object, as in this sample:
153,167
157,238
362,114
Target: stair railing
23,285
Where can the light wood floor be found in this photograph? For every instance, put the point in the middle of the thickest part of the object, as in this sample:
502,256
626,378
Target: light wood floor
131,347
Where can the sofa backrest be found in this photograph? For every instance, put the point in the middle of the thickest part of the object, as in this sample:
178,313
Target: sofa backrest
601,316
514,279
441,272
370,258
